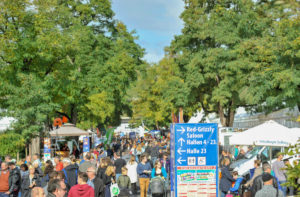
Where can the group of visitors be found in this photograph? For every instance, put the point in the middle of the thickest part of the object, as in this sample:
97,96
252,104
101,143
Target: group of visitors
265,181
127,164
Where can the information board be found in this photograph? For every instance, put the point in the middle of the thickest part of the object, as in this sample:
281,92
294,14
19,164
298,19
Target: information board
196,160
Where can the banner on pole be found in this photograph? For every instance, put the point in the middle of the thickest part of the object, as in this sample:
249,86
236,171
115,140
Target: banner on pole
86,144
47,149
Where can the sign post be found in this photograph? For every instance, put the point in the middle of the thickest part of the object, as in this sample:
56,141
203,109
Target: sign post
195,159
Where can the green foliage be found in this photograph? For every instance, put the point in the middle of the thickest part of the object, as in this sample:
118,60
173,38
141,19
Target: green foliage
274,81
11,144
158,92
293,170
207,53
61,58
239,53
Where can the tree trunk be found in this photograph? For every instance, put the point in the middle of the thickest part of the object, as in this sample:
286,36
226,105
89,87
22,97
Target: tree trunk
222,115
73,114
230,115
227,119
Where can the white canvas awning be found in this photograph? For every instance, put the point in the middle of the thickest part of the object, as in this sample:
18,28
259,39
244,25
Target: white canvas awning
68,130
269,133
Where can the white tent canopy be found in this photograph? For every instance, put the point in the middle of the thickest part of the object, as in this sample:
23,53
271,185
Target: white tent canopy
269,133
68,130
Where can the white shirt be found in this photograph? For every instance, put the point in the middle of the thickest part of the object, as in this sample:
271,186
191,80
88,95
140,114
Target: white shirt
132,173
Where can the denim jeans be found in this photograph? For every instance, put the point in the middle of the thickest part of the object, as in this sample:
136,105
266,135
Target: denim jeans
2,194
283,187
223,194
117,176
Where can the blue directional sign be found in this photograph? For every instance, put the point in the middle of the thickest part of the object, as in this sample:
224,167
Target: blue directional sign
195,159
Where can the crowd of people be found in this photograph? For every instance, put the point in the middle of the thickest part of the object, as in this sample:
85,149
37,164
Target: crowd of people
127,165
265,180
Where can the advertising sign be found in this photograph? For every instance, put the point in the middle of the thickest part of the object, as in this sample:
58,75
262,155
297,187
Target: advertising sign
86,144
196,160
47,149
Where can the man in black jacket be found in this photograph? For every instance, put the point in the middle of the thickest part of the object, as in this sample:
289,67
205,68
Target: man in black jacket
258,182
119,163
70,172
95,182
14,180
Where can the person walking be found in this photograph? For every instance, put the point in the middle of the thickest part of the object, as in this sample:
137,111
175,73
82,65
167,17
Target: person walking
4,180
53,175
29,182
258,182
108,179
48,169
70,171
82,189
119,164
159,171
56,188
227,178
132,173
268,189
96,183
165,162
144,171
258,171
278,168
58,164
86,164
14,180
124,183
37,192
102,168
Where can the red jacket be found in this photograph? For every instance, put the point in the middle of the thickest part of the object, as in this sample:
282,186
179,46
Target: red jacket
81,191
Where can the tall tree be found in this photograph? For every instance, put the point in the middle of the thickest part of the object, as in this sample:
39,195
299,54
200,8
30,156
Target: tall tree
274,81
158,92
208,49
60,58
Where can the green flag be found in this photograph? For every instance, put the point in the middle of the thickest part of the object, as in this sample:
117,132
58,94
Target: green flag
109,135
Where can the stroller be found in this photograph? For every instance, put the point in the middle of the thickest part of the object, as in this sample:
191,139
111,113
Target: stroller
236,189
158,187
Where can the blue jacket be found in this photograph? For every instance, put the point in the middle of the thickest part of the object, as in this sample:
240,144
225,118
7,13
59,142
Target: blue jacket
140,170
163,171
226,179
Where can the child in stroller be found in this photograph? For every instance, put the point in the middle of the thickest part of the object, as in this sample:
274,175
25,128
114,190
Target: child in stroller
158,181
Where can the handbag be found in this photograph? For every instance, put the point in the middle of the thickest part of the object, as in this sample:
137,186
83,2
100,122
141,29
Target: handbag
114,189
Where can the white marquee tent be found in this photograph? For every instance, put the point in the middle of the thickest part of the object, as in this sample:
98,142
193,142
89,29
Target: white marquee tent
269,133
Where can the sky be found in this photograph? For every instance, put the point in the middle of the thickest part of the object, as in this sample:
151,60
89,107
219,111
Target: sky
156,22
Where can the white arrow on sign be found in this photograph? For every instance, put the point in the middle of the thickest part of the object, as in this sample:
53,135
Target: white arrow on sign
180,160
180,151
182,130
181,140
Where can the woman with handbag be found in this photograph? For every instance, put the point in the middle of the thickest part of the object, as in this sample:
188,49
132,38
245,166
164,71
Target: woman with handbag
109,179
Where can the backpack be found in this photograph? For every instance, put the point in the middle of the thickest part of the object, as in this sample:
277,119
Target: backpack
66,176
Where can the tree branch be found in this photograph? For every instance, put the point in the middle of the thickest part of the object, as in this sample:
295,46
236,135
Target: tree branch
63,114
